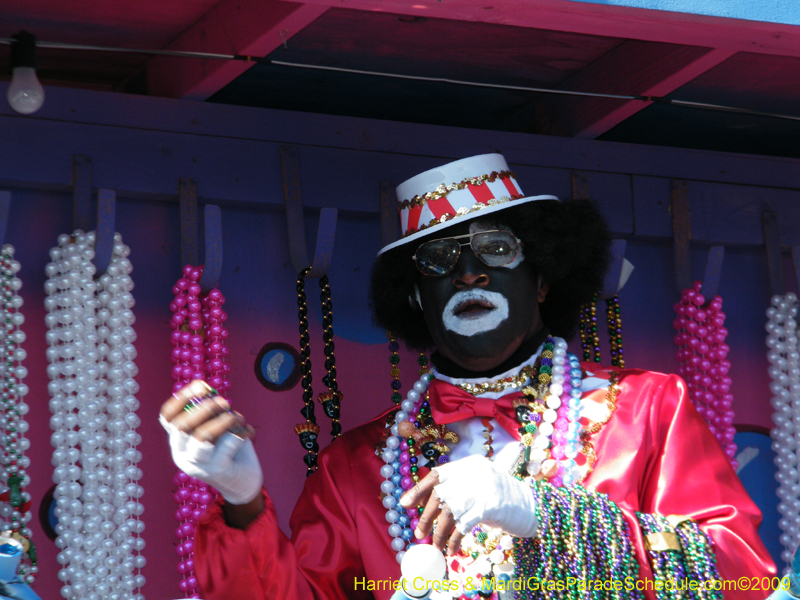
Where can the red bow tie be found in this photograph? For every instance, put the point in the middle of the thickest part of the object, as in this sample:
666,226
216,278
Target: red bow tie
450,404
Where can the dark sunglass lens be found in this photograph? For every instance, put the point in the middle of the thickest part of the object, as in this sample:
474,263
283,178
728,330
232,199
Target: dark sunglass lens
437,257
496,248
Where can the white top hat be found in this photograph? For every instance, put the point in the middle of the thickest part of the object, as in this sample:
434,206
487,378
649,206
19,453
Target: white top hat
456,192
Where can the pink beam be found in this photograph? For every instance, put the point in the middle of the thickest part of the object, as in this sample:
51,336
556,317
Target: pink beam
603,20
664,87
246,27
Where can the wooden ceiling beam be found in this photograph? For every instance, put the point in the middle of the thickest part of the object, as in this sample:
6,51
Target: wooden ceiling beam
737,35
631,68
247,27
592,119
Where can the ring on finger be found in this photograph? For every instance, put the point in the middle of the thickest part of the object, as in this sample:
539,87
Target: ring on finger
238,430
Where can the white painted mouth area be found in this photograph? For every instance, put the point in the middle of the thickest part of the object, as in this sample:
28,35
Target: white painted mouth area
471,323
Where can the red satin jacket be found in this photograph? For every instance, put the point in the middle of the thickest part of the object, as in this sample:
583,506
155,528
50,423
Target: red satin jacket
655,455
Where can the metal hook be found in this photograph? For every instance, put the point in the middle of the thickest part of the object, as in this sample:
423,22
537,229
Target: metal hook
5,209
796,262
713,272
326,232
212,267
190,249
618,271
104,232
772,241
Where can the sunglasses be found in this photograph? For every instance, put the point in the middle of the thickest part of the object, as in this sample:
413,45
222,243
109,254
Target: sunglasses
493,248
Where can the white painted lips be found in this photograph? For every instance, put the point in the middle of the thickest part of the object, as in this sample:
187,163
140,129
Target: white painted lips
470,312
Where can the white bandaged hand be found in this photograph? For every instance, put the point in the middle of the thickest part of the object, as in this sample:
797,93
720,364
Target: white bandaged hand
477,492
230,465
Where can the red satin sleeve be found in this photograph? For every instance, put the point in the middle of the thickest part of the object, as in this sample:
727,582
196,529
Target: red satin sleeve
656,455
329,557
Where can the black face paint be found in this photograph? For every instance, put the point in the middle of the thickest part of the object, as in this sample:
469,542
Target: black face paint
479,315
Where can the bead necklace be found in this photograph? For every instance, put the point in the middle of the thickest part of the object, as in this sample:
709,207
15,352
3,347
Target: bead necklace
16,513
330,400
93,403
784,372
199,351
614,321
590,340
394,360
551,409
400,472
582,536
498,385
308,432
555,415
702,357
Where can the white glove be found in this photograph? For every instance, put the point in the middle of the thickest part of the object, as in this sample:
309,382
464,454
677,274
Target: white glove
477,492
230,465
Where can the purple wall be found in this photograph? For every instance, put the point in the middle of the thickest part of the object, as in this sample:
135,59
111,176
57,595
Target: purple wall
141,146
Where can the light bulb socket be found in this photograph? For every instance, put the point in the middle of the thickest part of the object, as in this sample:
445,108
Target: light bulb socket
23,50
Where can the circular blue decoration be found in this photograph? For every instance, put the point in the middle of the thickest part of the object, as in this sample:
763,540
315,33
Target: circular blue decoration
277,366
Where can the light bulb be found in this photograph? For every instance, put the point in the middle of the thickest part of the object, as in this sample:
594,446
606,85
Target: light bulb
25,94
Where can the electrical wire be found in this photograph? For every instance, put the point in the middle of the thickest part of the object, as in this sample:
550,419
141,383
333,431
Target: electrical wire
519,88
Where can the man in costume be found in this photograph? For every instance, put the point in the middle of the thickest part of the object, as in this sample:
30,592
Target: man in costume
548,479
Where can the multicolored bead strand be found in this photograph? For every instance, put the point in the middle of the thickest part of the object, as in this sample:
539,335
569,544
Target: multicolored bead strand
394,360
702,357
15,509
397,472
590,340
582,535
199,352
783,355
687,558
614,321
422,361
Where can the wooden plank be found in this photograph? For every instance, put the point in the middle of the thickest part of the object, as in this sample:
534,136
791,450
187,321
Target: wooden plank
671,76
388,207
682,234
602,19
632,67
245,27
214,129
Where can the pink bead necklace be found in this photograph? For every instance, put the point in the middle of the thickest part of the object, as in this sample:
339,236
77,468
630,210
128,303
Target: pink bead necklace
702,357
198,352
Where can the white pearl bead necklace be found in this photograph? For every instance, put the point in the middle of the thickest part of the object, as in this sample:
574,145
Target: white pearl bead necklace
93,403
784,370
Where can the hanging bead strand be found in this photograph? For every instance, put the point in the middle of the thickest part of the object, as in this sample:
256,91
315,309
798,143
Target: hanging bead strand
16,514
784,372
590,339
614,320
93,403
199,352
332,399
702,358
308,432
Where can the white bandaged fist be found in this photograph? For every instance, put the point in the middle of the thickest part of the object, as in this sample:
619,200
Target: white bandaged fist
478,493
230,465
